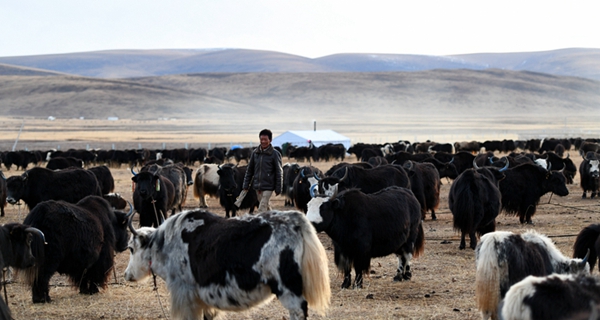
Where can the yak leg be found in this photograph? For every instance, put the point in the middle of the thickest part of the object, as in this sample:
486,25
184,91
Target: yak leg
202,200
294,302
347,278
473,239
361,265
433,216
463,242
584,195
403,271
591,197
40,289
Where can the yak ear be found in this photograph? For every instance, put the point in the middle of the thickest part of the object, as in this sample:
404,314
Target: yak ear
338,203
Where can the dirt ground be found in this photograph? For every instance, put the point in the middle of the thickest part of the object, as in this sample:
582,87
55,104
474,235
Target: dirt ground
442,286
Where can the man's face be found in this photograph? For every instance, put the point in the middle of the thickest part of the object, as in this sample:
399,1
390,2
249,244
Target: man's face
264,141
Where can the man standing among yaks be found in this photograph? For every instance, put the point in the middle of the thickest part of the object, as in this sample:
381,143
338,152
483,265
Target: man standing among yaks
265,172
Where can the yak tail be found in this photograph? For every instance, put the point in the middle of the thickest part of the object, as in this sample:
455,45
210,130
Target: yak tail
37,250
487,278
314,269
465,202
588,238
197,185
419,246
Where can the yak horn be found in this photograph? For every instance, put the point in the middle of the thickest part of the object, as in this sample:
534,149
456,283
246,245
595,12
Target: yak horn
312,190
585,259
32,229
130,225
130,213
506,166
475,164
451,160
302,173
345,175
133,172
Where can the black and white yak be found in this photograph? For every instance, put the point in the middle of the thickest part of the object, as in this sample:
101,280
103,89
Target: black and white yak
557,296
206,183
589,173
211,263
504,258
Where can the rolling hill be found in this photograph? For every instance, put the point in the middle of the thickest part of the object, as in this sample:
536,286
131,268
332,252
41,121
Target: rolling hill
576,62
346,95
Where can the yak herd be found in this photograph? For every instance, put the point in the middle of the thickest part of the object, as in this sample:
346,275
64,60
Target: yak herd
371,208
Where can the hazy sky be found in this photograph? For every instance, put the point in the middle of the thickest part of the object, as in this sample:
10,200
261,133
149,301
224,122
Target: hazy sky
310,28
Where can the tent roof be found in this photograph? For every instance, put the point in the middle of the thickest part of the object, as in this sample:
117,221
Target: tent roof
318,138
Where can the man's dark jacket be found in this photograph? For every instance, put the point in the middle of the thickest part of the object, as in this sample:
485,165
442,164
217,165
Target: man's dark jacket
265,167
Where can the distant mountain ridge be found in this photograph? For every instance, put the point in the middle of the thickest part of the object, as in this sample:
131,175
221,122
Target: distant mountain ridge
575,62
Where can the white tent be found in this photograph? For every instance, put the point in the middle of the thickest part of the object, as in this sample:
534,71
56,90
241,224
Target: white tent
318,138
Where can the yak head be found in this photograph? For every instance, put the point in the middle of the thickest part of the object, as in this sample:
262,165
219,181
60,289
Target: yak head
329,186
16,245
120,226
15,188
227,178
322,208
594,172
555,182
593,164
139,266
146,184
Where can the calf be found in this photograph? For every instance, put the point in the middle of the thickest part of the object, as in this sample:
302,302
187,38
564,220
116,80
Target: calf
206,183
231,179
364,226
152,197
503,259
590,175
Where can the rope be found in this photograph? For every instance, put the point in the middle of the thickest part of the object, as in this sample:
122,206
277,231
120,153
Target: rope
571,207
155,212
158,295
4,285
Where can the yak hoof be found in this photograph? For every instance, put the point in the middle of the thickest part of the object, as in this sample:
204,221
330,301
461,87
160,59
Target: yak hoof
592,197
407,275
45,299
398,277
346,284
